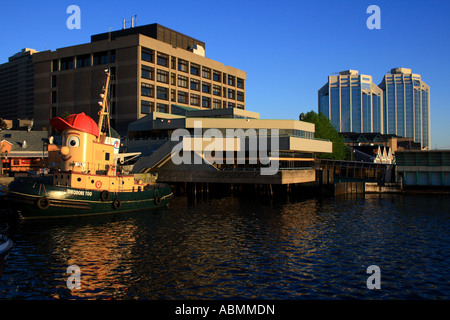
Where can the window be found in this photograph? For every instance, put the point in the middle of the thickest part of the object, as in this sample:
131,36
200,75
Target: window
174,63
83,61
195,85
231,80
216,76
240,96
100,58
148,73
162,93
173,95
53,96
195,69
147,90
182,97
112,56
231,94
163,59
206,87
231,105
206,73
217,90
147,55
146,106
206,102
195,99
182,65
183,81
216,104
240,83
53,81
55,65
161,107
162,76
67,63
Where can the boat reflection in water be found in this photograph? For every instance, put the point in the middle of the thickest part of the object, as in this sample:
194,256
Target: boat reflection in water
5,247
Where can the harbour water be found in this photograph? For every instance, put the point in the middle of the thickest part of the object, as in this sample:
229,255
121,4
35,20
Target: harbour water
239,248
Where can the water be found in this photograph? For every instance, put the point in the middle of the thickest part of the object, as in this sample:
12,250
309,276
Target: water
240,248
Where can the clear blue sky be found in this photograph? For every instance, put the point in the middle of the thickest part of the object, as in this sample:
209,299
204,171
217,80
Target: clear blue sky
287,48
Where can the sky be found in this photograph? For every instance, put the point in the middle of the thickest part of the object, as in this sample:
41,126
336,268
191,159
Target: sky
287,48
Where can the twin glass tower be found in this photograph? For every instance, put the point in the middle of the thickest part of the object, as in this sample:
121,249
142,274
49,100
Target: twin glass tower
399,105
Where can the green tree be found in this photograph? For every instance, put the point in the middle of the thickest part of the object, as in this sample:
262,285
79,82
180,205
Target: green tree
325,130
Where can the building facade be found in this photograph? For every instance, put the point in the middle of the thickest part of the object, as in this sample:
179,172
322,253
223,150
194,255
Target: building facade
406,106
16,86
352,102
224,146
152,68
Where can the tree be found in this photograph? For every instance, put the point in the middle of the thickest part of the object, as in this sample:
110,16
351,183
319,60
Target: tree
325,130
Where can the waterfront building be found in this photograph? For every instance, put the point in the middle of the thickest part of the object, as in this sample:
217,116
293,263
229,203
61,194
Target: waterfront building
23,151
17,85
352,102
430,168
153,67
406,106
294,154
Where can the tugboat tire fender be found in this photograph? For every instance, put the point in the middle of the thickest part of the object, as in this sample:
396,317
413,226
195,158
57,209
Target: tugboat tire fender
104,196
43,203
157,199
116,203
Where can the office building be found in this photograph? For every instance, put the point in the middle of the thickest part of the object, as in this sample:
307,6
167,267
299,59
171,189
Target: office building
233,155
406,106
153,67
352,102
16,86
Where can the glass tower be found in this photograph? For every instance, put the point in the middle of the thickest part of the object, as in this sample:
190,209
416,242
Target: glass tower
406,106
352,102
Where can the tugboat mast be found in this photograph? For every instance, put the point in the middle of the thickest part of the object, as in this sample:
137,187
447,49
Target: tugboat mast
104,110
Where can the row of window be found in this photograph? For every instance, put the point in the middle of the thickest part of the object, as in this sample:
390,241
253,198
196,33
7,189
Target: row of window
148,90
165,60
195,85
149,106
85,60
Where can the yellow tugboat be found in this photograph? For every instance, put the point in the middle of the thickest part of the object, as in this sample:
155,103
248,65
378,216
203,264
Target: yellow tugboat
88,181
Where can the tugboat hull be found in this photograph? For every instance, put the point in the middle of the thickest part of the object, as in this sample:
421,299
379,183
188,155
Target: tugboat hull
35,198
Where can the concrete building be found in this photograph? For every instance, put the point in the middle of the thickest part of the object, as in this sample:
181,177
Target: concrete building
228,154
17,85
352,102
406,106
424,168
153,67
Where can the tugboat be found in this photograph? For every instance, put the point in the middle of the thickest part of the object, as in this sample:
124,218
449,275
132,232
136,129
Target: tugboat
88,181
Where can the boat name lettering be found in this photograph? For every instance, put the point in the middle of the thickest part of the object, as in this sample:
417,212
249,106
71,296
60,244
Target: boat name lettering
80,192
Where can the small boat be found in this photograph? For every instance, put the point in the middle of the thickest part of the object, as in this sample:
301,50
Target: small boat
5,247
88,180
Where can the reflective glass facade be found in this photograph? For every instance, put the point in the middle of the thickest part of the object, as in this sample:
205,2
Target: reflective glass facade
352,102
406,106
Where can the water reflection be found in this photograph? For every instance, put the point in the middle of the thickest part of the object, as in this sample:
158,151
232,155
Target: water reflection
235,247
